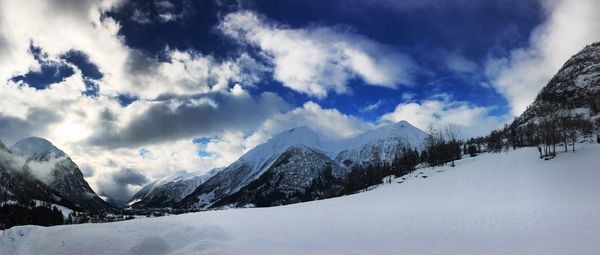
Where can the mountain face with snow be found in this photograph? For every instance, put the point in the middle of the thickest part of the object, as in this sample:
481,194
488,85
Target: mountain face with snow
240,183
170,190
248,168
55,168
300,174
575,89
17,183
380,145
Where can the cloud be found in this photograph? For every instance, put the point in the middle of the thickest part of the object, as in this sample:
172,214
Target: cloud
178,118
407,96
35,123
317,60
373,106
328,122
141,17
569,26
440,110
122,184
229,146
169,12
58,28
458,63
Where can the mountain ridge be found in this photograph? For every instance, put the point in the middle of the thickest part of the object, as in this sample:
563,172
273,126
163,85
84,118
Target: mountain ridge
64,176
252,165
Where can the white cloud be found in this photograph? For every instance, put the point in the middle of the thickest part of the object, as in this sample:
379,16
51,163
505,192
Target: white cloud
317,60
228,147
439,111
373,106
570,26
407,96
458,63
328,122
57,29
141,17
189,73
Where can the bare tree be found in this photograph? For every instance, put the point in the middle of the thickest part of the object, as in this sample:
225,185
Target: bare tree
452,133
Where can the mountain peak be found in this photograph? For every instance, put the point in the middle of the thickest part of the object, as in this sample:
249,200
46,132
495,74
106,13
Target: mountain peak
299,130
33,146
297,135
401,123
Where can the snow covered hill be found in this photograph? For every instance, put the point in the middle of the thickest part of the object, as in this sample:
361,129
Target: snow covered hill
54,168
504,203
374,146
170,190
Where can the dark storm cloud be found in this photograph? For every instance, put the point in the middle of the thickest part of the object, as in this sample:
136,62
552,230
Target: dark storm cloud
194,116
116,186
129,176
139,63
13,129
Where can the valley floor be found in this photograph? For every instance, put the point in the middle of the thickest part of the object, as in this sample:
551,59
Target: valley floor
504,203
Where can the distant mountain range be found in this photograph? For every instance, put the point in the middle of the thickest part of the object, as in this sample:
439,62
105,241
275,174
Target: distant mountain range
300,165
170,190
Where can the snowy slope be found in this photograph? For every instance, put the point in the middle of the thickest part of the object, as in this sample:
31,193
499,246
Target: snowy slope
170,189
500,203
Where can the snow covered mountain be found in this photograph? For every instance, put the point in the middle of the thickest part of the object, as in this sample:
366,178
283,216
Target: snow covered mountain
300,174
16,183
170,190
54,168
249,167
575,89
381,144
35,148
377,145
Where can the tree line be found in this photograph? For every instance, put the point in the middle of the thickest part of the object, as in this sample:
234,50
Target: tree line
550,130
441,146
18,214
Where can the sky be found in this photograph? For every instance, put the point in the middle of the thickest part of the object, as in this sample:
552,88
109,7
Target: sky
136,90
